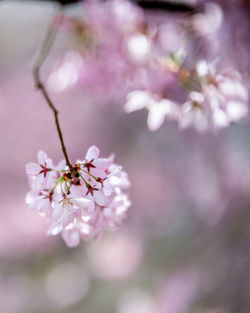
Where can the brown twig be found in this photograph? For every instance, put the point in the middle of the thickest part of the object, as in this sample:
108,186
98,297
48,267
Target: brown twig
41,56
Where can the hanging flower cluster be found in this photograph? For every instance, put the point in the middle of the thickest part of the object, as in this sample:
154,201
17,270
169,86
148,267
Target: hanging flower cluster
130,59
214,100
80,202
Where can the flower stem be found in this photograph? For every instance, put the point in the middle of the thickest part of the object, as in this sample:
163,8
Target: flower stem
58,181
87,184
41,56
89,174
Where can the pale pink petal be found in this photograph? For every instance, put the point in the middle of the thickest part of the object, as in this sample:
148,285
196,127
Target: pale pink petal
81,202
91,205
100,198
156,117
58,212
202,68
124,181
32,168
92,153
54,229
37,182
231,88
107,188
44,206
236,110
86,231
32,199
98,172
116,170
42,157
71,237
220,118
102,163
136,100
49,163
139,47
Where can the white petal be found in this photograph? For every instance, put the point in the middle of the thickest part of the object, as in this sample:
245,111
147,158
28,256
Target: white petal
137,100
156,117
71,237
100,198
37,182
92,153
102,162
91,205
32,200
86,231
42,157
220,118
54,229
58,212
81,202
236,110
32,168
139,47
202,68
107,188
196,96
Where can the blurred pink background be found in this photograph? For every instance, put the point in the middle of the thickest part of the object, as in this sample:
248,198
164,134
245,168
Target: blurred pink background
184,246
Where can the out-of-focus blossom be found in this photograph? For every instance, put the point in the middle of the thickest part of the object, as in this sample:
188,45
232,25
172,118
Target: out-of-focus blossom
115,257
110,46
195,112
68,72
210,20
39,173
221,99
139,47
158,109
121,54
214,100
82,201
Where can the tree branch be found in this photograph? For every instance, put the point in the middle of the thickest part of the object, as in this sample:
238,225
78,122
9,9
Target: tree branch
39,60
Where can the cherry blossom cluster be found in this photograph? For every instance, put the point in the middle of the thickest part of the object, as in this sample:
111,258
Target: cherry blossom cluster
125,57
78,202
214,100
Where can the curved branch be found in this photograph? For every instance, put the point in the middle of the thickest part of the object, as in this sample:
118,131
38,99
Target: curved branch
41,56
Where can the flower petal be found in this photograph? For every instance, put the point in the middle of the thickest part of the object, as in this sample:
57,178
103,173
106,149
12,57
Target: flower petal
32,168
136,100
81,202
92,153
156,117
42,157
100,198
71,237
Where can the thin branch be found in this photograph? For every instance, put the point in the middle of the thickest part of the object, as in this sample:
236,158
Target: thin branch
170,6
164,5
39,60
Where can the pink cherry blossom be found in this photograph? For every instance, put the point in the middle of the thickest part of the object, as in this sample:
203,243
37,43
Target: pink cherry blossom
128,57
82,202
158,109
195,112
40,173
222,99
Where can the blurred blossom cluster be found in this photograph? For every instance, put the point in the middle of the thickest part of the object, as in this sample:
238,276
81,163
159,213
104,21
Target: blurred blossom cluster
123,57
82,201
